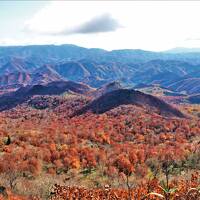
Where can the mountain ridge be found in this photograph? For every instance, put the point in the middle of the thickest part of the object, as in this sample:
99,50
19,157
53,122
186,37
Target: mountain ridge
12,99
119,97
97,67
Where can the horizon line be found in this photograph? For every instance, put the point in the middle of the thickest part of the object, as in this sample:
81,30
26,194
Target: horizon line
136,49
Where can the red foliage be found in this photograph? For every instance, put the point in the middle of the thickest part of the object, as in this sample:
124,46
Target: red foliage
124,140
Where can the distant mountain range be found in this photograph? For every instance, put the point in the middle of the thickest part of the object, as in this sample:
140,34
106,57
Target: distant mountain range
39,54
176,69
183,50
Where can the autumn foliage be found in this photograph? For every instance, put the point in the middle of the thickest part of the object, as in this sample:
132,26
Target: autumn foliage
184,190
134,150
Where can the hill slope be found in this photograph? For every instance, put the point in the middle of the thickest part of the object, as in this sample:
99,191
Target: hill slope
23,94
130,96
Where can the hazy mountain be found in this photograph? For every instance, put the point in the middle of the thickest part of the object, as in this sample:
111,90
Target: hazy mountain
156,90
13,79
41,54
19,78
45,74
194,99
97,67
183,50
161,71
72,70
14,64
186,85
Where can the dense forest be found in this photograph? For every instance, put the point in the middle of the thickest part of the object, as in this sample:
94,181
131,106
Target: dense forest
125,153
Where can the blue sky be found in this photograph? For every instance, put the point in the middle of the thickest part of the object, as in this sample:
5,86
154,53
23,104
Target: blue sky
14,13
150,25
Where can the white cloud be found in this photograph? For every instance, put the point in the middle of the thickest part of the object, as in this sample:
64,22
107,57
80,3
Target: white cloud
150,25
73,17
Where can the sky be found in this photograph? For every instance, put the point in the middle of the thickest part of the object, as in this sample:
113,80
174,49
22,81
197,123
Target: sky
148,25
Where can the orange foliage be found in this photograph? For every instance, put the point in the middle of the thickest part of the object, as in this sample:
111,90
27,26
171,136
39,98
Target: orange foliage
123,140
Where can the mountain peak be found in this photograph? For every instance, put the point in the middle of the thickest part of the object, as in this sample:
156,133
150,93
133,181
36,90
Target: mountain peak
119,97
